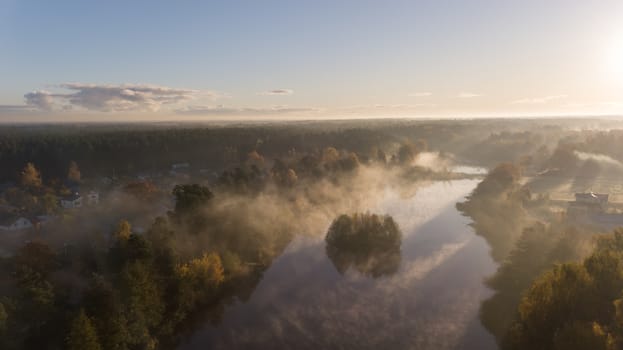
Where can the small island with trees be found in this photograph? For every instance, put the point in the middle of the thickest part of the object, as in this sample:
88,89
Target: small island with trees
368,243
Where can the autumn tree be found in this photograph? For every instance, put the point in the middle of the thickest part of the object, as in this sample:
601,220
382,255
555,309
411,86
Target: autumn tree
30,176
330,155
254,158
73,174
122,232
82,335
198,281
142,190
282,174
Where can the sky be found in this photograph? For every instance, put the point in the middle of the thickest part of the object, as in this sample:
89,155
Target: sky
124,60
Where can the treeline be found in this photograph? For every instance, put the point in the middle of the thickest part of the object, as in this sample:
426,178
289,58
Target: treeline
575,305
498,208
128,290
123,152
557,287
126,149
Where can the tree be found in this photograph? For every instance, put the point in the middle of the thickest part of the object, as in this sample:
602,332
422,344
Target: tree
350,162
205,272
330,155
407,153
142,190
82,335
575,305
581,336
3,318
49,203
37,257
189,198
73,174
30,176
369,243
123,231
499,180
291,177
144,303
102,299
555,299
198,280
254,158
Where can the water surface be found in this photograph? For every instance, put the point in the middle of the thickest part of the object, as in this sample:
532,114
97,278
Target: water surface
431,302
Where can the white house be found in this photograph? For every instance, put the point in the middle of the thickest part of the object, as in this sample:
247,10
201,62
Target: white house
71,201
14,223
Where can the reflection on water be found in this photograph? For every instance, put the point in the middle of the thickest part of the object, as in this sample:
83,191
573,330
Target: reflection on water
373,263
430,302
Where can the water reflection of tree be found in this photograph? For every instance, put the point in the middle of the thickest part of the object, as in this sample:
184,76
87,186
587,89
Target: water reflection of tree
368,243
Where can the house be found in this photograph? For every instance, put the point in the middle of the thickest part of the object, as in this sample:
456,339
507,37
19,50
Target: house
12,222
592,209
93,198
590,202
71,201
180,170
179,166
591,197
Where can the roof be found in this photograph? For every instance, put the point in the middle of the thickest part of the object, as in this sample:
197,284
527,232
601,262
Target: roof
72,197
592,195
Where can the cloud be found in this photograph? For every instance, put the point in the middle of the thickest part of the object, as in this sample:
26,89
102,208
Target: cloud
40,99
277,92
468,95
421,94
15,108
112,98
242,111
538,100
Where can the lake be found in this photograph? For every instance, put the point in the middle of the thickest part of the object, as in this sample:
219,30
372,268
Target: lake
430,302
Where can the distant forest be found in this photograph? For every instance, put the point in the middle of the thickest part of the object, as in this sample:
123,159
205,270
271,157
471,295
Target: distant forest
101,150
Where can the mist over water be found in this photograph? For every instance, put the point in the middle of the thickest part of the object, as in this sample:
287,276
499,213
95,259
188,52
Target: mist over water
431,302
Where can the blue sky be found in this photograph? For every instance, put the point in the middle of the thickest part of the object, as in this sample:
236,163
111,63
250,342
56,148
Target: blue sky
308,59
